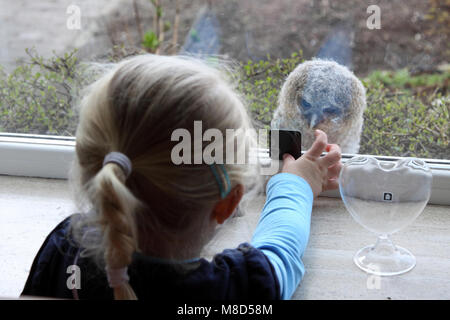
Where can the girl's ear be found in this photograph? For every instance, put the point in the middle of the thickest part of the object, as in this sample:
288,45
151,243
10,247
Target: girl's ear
225,207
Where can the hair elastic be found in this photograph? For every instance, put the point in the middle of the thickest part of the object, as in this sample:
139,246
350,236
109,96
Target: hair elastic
117,277
122,160
223,192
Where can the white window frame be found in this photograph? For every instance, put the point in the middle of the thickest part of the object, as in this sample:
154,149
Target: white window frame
35,155
51,157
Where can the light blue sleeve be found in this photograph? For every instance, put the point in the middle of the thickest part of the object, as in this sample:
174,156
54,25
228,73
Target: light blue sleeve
283,228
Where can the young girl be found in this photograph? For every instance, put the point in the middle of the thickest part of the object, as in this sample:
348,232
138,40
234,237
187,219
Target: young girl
147,219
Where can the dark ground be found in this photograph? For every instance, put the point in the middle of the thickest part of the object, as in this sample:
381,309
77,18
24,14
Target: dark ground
253,29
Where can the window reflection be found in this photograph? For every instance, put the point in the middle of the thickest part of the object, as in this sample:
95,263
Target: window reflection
398,49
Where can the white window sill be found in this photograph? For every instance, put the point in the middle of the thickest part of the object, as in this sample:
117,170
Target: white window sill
51,157
32,207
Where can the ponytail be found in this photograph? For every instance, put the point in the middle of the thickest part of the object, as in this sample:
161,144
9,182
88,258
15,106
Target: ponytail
116,207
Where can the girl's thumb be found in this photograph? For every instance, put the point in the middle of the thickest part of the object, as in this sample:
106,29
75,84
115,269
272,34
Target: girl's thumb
288,158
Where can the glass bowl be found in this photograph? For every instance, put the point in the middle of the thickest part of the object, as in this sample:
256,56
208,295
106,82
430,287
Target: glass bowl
384,197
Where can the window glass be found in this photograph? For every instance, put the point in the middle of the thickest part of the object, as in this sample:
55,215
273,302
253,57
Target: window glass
398,50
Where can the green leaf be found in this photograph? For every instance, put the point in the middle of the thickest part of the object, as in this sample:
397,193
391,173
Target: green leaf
150,40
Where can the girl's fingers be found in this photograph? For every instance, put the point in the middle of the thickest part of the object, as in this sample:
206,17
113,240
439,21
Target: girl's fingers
331,184
288,158
333,156
318,146
334,170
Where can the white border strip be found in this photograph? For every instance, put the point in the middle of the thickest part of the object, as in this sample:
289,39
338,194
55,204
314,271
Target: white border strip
51,157
36,156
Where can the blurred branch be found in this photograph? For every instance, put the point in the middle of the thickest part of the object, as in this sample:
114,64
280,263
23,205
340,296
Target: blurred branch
138,20
158,23
160,13
176,25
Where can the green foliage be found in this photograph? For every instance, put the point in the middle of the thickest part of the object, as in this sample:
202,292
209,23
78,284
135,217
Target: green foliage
403,79
405,116
150,41
153,40
401,124
167,26
37,97
260,83
194,35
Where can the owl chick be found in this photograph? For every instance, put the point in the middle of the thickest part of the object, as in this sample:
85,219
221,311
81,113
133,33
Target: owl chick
322,94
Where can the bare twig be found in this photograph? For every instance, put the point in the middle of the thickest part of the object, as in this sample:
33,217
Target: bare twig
423,147
138,20
161,27
176,25
426,129
127,33
111,31
158,24
155,18
396,134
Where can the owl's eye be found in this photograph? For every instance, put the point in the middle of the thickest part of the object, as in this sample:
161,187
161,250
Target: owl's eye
332,111
305,104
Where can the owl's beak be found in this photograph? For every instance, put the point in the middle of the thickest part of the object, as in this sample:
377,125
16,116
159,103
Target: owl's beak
313,121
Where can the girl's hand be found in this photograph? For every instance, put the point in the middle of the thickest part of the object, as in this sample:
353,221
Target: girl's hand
320,172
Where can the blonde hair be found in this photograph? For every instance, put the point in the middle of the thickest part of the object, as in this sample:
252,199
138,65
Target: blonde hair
133,109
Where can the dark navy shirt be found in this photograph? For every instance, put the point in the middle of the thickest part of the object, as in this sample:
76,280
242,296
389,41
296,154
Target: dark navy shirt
242,273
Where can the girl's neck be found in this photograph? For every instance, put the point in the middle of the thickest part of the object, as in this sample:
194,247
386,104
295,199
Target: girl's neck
170,252
175,248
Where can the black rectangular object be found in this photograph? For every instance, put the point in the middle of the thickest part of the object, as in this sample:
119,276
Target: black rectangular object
289,141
